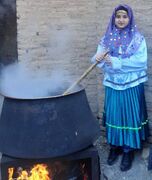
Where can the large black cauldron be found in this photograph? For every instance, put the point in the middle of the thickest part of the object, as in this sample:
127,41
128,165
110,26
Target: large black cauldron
46,127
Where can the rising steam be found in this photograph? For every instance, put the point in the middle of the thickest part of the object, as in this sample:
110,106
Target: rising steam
18,81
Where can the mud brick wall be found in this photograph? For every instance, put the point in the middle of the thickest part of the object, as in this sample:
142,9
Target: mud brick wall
62,34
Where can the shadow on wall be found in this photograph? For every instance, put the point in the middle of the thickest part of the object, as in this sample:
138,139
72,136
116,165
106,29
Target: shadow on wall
8,32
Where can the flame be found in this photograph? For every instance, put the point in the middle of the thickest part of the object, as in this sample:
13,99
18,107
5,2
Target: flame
38,172
10,173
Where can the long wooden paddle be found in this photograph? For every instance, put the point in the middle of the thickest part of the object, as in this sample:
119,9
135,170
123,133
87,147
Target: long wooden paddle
84,75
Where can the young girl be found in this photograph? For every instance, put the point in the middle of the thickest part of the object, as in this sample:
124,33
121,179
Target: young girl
125,115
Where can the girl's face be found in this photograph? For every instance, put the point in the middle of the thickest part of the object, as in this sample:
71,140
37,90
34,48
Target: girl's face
121,19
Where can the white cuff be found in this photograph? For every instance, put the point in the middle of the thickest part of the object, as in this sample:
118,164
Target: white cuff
100,65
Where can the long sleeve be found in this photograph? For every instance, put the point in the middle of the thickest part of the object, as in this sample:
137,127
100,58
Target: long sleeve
124,73
106,67
136,62
100,49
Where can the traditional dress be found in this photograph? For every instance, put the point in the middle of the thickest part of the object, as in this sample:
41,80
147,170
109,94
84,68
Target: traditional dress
125,115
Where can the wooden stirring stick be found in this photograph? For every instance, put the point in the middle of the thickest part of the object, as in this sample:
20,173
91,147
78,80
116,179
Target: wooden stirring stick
84,75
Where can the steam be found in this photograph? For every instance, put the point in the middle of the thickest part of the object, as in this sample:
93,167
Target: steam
18,81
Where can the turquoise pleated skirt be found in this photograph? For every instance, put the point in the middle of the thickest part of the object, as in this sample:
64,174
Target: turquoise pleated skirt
125,116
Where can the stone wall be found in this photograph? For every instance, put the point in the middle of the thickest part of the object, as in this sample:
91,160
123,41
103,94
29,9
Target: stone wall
62,34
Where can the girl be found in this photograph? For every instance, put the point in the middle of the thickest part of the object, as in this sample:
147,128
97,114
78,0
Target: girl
125,115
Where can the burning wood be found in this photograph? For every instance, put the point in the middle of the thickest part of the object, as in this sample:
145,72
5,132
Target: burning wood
38,172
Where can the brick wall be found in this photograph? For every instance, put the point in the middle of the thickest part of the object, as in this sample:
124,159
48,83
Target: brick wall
59,35
55,34
142,12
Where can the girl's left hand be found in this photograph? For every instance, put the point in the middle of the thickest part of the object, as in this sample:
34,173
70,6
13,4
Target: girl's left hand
108,60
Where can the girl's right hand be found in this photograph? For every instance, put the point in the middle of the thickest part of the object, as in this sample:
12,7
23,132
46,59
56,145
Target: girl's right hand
99,57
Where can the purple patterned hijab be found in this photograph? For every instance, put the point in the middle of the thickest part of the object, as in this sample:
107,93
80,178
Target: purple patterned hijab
124,41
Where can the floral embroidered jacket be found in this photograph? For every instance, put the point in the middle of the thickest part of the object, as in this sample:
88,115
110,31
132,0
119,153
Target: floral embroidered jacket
125,72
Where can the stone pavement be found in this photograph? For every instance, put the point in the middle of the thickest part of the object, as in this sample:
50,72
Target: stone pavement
137,172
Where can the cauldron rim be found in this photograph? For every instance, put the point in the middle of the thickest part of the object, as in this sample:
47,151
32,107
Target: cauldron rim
42,97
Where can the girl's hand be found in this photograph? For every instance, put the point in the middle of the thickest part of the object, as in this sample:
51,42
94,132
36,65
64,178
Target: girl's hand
99,57
107,60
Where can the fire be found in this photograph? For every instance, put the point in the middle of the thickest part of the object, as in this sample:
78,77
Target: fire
10,173
38,172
